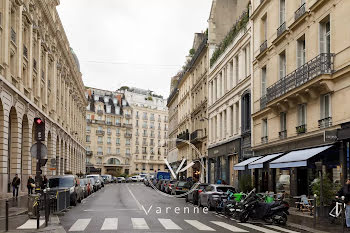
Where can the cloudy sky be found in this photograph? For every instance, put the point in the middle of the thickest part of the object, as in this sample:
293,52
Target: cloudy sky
140,43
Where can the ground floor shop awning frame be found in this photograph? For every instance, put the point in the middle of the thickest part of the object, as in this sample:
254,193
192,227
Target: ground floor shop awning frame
297,158
242,165
260,162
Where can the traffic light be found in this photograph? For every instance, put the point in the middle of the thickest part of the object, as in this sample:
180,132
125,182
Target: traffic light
39,129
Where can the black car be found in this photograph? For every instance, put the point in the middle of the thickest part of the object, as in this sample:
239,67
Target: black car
180,187
194,194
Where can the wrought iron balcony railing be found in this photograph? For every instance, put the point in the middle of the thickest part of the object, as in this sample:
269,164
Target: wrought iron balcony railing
127,125
325,123
89,153
322,64
109,123
283,134
118,124
264,139
301,129
263,46
128,135
100,132
281,29
301,10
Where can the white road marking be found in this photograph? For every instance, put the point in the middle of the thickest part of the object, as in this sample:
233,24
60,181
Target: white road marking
281,229
255,227
31,224
168,224
200,226
139,223
228,226
110,224
80,224
133,196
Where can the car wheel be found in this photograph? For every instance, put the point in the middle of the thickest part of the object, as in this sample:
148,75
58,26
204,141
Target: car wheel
209,205
199,203
186,198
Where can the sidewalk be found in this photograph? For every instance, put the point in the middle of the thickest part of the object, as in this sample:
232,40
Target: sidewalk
304,221
16,206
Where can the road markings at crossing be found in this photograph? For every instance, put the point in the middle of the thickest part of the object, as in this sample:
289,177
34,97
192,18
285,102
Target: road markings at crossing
200,226
133,196
110,224
139,223
228,226
168,224
281,229
30,224
255,227
80,224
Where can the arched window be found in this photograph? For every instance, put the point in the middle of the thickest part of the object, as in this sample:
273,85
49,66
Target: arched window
113,161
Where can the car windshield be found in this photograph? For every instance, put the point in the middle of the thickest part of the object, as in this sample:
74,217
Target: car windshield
61,182
94,177
181,184
224,189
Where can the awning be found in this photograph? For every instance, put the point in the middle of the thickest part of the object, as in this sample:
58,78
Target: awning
241,166
260,162
297,158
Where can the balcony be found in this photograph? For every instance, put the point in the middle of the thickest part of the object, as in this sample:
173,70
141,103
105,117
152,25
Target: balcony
128,135
100,142
99,153
144,152
145,118
184,136
159,120
263,46
118,124
283,134
263,102
144,144
127,125
100,132
152,119
100,122
109,123
196,135
144,135
13,36
281,29
127,116
301,129
145,126
100,112
325,123
298,13
137,117
322,64
117,143
25,51
264,139
152,135
89,153
109,133
109,143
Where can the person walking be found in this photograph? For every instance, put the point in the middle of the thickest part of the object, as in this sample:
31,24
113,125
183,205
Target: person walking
30,185
15,185
345,191
44,186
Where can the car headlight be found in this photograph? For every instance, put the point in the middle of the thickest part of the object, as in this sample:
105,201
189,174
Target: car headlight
71,190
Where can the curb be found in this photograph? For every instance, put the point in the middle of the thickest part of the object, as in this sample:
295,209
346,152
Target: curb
305,228
15,214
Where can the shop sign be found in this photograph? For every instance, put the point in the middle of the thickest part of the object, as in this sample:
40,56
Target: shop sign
330,136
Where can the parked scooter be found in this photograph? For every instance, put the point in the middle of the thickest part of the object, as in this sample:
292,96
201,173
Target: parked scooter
254,208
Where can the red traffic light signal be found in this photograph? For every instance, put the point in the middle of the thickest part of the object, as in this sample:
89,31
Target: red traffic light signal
39,129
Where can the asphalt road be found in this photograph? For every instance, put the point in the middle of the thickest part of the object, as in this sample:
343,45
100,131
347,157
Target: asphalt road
133,207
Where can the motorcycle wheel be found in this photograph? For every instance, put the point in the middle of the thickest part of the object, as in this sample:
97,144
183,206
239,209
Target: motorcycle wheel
282,220
244,216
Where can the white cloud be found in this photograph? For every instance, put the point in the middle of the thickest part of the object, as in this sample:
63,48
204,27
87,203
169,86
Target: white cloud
140,43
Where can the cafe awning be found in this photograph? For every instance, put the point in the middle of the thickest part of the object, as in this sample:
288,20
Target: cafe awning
260,162
297,158
241,166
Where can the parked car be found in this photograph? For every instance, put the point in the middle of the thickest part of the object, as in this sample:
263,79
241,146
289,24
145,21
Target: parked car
98,182
194,194
128,180
211,194
107,179
121,179
84,186
180,187
114,179
58,183
169,186
136,178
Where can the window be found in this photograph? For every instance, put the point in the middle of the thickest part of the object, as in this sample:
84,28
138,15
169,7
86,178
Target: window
282,11
99,118
282,64
264,29
108,108
302,114
109,130
96,97
88,128
230,74
127,141
246,112
117,131
117,121
127,151
325,106
99,150
98,160
99,139
117,141
301,51
87,138
247,60
109,150
263,81
237,69
236,117
264,127
99,128
117,110
325,36
118,151
283,121
109,140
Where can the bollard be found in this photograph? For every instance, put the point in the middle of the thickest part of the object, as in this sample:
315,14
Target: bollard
38,214
342,213
314,209
45,206
7,215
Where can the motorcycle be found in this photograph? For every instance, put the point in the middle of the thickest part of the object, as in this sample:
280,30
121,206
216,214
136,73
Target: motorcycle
254,208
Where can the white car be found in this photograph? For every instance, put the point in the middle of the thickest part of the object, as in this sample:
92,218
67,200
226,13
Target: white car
135,178
121,179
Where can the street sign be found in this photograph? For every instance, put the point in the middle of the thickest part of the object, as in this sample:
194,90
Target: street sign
34,150
330,136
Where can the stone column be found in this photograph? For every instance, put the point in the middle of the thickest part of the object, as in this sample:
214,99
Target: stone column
229,122
4,169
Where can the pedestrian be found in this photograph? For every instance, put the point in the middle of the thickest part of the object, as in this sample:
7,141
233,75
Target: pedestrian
15,185
44,184
30,185
345,191
219,181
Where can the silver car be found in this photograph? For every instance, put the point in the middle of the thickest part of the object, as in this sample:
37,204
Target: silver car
209,196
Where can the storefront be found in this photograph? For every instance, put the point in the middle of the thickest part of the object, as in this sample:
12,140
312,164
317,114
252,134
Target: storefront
220,157
343,135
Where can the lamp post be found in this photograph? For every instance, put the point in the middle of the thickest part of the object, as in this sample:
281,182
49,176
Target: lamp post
319,169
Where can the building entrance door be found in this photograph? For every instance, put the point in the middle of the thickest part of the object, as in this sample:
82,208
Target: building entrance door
302,181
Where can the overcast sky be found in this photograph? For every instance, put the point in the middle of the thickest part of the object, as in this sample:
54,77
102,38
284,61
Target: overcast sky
141,43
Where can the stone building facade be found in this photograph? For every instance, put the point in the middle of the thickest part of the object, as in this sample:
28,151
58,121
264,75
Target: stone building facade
300,87
39,77
172,104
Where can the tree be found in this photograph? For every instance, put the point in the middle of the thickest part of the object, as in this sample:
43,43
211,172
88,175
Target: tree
245,183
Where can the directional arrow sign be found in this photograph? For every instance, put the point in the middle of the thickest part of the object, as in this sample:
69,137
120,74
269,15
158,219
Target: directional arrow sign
34,150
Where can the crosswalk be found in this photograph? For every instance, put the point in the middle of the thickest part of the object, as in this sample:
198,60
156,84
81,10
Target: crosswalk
166,224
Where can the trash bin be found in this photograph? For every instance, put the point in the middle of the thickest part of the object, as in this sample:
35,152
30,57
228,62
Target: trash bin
33,203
